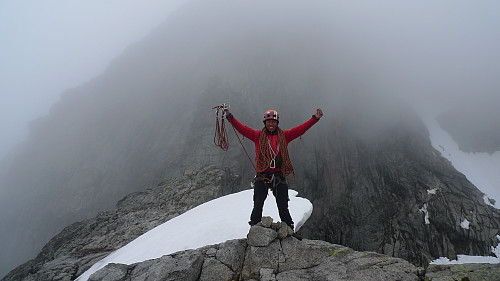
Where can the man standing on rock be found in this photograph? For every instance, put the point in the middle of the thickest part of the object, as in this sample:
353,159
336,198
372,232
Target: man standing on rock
273,165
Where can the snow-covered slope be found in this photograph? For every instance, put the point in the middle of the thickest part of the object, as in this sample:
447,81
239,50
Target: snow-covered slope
202,226
481,169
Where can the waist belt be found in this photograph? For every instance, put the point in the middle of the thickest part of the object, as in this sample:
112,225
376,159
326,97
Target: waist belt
271,179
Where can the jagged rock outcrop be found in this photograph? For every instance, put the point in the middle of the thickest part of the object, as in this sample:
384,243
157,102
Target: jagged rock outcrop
81,244
261,258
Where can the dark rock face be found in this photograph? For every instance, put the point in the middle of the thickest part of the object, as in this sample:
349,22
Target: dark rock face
374,192
81,244
279,259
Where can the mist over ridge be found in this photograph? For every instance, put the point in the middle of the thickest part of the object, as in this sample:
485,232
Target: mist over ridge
148,116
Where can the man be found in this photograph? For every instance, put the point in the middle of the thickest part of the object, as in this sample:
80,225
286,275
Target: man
273,163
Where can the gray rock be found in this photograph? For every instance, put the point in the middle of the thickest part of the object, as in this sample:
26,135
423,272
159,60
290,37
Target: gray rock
276,226
111,272
261,257
350,265
284,231
179,266
267,221
463,272
211,252
232,254
259,236
267,274
306,253
214,270
287,259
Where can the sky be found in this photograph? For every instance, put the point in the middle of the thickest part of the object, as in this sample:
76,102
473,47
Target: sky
47,47
440,51
202,225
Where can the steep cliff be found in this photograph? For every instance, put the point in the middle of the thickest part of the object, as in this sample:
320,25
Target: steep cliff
391,192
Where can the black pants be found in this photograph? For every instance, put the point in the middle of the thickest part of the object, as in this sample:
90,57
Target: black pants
260,190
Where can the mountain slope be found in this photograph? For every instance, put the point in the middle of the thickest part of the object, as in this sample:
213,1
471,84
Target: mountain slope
80,245
148,117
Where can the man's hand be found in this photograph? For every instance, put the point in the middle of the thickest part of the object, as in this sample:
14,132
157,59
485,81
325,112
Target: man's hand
319,113
227,113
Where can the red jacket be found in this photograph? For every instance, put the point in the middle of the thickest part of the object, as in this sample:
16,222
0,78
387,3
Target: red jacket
290,135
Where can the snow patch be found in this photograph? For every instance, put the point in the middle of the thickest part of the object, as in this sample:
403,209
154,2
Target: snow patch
487,200
426,214
461,259
465,224
496,250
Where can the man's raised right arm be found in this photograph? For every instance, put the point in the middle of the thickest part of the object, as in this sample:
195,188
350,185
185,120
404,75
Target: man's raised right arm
242,129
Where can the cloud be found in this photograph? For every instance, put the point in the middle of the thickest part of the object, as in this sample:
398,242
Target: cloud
50,46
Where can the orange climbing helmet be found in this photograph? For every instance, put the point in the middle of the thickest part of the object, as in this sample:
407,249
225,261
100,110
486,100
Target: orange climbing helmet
271,115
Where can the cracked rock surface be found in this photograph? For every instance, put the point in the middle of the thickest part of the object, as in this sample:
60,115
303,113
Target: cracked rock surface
278,259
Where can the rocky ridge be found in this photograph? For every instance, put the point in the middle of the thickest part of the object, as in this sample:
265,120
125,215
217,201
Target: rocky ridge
271,253
80,245
268,253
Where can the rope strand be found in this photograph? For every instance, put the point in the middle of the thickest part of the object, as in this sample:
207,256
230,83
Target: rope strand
220,137
264,157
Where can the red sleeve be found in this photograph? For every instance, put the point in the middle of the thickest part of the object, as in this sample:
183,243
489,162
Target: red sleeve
298,131
246,131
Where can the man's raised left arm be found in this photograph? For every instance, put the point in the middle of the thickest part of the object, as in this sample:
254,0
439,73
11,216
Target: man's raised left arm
301,129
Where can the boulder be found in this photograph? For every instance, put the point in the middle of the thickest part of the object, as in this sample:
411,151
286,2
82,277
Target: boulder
259,236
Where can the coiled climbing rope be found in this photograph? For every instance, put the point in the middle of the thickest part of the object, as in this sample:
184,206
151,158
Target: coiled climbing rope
220,137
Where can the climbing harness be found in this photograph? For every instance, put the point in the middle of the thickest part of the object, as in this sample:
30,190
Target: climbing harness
272,163
271,180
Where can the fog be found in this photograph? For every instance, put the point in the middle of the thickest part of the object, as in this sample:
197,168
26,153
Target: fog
431,52
434,55
50,46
